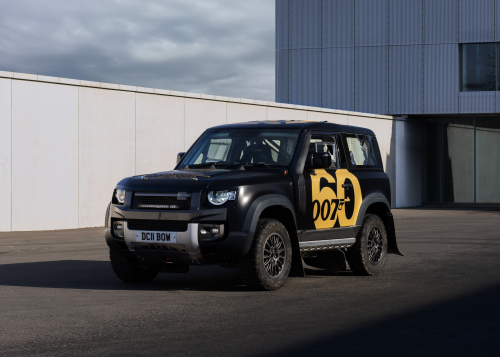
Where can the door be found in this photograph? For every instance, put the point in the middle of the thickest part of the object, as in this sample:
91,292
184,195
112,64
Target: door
333,194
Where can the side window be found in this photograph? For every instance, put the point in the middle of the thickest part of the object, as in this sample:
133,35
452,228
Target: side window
326,143
363,150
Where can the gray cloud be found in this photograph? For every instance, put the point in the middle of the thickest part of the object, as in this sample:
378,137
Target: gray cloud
220,47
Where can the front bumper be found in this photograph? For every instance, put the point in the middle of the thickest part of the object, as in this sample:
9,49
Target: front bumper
190,247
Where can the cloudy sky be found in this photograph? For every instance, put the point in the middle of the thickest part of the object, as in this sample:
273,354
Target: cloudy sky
219,47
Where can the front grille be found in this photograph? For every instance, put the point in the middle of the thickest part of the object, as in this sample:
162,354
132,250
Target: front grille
160,202
159,226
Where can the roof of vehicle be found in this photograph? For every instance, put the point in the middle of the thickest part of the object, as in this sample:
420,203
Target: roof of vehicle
297,124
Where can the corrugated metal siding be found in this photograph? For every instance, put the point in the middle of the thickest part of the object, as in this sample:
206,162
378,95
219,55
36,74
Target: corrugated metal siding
441,79
497,102
440,21
497,20
281,24
305,24
406,79
371,79
405,22
338,23
305,77
282,76
477,102
476,21
371,22
338,78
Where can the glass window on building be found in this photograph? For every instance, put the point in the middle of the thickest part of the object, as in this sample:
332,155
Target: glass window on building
462,160
478,67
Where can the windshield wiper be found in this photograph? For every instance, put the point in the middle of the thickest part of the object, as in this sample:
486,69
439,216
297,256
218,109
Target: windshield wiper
263,164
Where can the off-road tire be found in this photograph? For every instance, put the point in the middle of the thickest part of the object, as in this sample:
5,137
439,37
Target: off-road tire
358,255
252,269
132,270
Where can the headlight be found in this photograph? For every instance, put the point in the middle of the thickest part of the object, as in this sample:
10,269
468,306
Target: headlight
220,197
120,195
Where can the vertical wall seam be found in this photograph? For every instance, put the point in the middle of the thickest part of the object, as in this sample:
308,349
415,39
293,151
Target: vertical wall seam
78,152
11,157
135,133
423,57
354,60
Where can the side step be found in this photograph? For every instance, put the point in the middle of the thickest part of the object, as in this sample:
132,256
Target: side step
326,244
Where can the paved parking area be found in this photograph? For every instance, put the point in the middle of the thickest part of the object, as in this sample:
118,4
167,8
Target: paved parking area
58,296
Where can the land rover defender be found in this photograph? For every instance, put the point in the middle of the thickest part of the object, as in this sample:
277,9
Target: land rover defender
263,197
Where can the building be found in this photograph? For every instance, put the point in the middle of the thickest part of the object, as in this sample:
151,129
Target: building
433,63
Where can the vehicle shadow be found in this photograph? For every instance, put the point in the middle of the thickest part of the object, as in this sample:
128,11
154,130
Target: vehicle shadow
98,275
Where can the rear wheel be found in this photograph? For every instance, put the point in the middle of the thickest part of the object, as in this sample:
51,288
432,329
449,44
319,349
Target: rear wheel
367,255
132,270
267,265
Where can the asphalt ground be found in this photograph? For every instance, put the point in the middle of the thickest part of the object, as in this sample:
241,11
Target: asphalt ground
59,297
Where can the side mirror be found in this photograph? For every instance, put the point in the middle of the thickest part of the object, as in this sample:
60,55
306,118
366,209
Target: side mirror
180,156
318,160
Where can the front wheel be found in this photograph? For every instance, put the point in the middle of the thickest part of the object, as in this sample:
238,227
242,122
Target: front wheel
267,265
132,270
367,255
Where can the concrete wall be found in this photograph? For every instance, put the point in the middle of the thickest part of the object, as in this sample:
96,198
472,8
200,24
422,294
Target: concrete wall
64,144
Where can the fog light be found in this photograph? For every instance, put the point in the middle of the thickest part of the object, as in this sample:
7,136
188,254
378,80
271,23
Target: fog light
118,229
215,230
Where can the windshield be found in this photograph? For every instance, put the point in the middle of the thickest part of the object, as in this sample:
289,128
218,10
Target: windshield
273,147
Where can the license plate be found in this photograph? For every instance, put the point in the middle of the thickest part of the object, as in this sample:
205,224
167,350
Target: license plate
157,237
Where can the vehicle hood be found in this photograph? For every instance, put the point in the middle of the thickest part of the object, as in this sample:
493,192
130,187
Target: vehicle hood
198,180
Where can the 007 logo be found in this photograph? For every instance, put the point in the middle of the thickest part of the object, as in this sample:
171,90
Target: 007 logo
335,198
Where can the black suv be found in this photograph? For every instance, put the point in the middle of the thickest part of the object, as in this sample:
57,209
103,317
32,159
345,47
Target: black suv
263,197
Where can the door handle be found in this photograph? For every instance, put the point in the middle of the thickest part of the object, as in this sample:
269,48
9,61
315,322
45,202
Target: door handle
347,185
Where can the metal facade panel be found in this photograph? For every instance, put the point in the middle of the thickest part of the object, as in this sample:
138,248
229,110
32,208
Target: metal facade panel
304,24
440,21
441,79
371,22
281,24
305,77
282,76
477,102
405,22
497,20
497,100
476,21
338,23
406,79
371,79
338,78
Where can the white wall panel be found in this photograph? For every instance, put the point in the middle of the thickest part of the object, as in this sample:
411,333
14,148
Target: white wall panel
440,21
239,113
372,79
5,154
200,115
107,149
305,77
441,79
44,156
157,117
476,21
331,118
408,163
406,79
338,23
405,22
371,22
477,102
337,78
274,113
